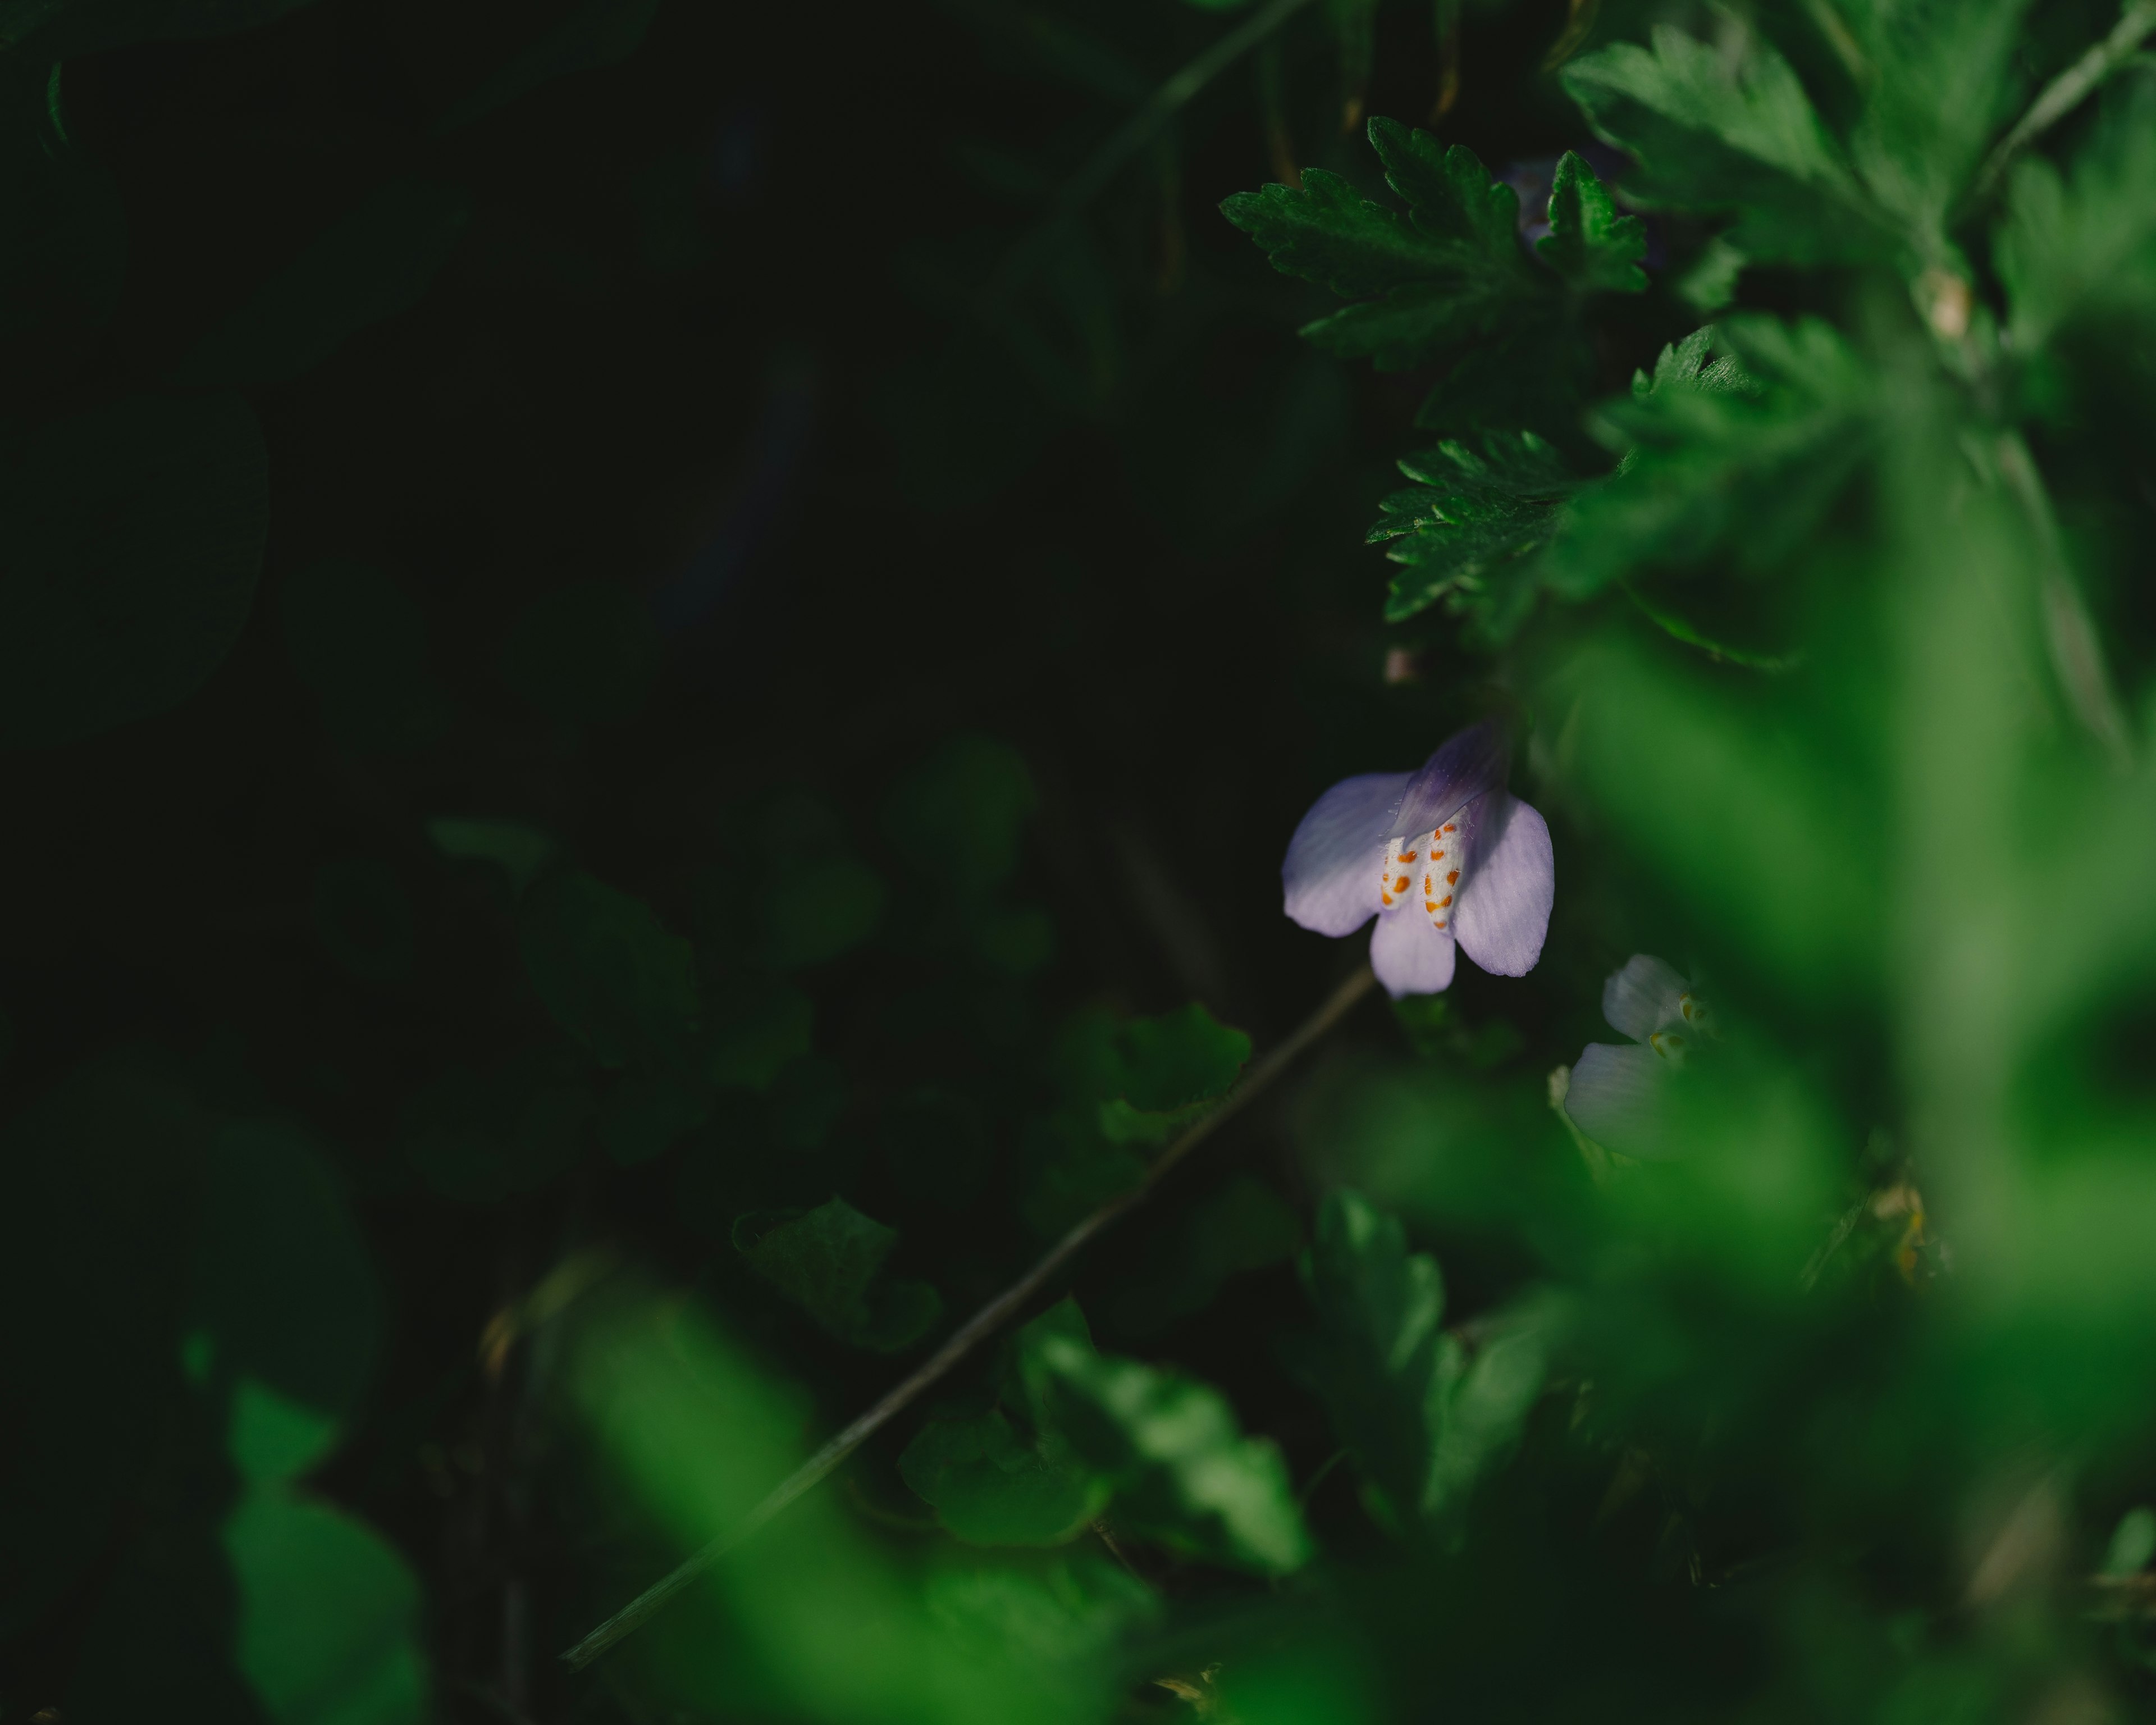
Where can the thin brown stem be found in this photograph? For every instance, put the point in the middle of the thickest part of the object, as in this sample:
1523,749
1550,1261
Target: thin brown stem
975,1330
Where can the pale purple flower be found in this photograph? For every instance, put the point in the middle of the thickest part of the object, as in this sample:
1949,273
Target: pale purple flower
1619,1093
1440,856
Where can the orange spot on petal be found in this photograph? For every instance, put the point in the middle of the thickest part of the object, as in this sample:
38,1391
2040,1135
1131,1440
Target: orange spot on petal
1400,885
1452,879
1442,902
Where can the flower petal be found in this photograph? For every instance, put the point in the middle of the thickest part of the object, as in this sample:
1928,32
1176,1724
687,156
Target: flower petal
1512,880
1644,997
1619,1097
1410,956
1330,873
1465,767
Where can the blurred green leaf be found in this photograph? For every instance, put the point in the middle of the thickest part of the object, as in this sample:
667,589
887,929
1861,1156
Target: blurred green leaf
936,1147
1594,248
1243,1226
360,645
1374,1358
377,262
284,1296
609,970
519,851
586,655
991,1487
957,818
816,912
1735,457
758,1030
1183,1473
592,34
329,1615
1715,132
830,1262
2083,246
136,534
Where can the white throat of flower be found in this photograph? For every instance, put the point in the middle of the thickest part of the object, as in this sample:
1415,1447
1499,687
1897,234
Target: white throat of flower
1672,1044
1436,860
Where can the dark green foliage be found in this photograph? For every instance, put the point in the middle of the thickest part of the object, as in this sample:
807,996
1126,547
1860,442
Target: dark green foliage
609,970
377,262
519,851
1596,249
956,818
1181,1469
364,920
476,1136
136,544
830,1261
1467,531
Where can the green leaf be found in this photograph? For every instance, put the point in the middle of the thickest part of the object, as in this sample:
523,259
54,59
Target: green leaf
587,654
1445,272
813,913
957,818
1467,531
135,540
329,1615
1375,1356
284,1296
64,29
1714,133
377,262
757,1029
1243,1226
1733,458
1450,193
1480,1406
991,1487
1183,1472
829,1262
609,970
595,34
2082,247
1596,249
360,644
519,851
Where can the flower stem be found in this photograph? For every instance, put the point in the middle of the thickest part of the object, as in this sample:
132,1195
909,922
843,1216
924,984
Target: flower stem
2064,92
975,1330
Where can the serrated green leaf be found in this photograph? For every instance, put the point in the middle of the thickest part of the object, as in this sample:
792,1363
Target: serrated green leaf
990,1485
1735,457
1448,272
1327,232
1183,1472
1717,134
612,974
1379,1308
2083,246
1594,248
377,261
1466,532
136,536
1479,1407
1449,192
830,1262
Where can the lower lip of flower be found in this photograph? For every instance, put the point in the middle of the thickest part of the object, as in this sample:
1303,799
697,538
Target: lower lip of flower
1440,886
